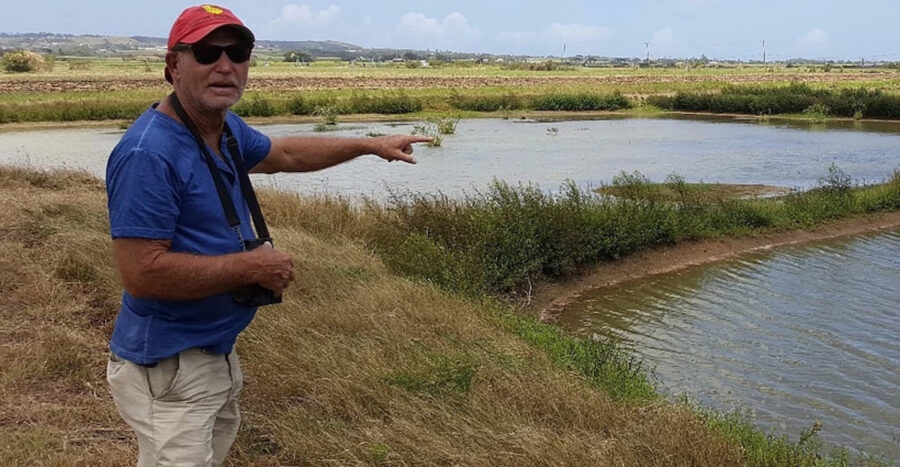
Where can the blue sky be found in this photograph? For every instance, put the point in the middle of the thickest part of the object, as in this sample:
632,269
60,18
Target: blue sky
824,29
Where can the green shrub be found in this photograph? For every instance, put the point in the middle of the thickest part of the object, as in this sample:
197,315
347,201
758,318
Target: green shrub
23,61
255,106
328,112
581,102
393,104
300,106
505,238
795,98
68,111
486,103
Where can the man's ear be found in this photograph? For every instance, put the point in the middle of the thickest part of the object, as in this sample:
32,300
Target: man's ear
172,62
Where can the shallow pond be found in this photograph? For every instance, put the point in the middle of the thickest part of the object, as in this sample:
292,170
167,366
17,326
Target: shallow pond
589,152
792,336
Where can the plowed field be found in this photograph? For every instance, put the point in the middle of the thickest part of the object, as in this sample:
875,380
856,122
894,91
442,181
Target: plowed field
271,83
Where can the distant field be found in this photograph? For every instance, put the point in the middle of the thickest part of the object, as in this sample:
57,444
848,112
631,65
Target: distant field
106,89
99,74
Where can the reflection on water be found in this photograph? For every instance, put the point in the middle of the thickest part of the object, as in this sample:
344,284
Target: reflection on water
793,336
590,152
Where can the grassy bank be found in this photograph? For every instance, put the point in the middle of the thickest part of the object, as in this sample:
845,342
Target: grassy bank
360,365
791,99
130,104
506,238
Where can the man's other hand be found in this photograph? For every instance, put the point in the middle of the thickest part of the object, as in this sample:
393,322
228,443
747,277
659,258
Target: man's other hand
270,268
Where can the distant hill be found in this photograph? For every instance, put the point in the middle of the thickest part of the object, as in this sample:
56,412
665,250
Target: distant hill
84,45
95,45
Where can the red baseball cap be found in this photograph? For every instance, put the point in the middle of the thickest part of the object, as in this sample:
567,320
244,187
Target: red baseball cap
196,22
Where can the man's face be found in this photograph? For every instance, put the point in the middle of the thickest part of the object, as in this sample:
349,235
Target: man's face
214,87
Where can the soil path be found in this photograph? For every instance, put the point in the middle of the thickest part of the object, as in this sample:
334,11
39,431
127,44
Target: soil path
552,299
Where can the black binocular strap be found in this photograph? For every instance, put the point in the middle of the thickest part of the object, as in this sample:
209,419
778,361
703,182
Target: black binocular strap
262,230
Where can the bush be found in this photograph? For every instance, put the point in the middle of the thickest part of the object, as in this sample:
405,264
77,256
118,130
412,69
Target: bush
795,98
300,106
328,112
394,104
485,103
256,106
506,238
23,61
67,111
581,102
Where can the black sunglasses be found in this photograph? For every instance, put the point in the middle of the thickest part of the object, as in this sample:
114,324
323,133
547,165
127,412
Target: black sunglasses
206,54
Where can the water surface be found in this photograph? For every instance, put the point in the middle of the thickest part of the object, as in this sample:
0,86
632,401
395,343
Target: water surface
793,336
590,152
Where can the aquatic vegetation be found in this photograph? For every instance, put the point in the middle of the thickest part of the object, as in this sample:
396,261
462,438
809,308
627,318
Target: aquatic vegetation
445,125
431,130
328,112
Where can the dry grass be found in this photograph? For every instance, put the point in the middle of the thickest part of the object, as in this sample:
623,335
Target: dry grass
358,366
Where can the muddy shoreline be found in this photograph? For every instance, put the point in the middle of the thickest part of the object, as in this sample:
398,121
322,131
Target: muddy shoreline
551,299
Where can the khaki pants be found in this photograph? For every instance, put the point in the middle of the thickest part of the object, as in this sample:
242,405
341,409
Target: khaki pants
184,410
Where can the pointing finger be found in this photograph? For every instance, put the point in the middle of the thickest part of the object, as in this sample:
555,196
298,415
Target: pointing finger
419,139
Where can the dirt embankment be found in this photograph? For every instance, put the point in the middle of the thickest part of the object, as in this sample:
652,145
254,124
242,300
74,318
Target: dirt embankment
552,299
272,83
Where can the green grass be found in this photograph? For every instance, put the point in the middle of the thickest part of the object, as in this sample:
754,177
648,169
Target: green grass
506,238
618,373
815,103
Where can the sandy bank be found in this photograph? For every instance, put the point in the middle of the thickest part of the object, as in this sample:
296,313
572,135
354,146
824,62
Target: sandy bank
552,298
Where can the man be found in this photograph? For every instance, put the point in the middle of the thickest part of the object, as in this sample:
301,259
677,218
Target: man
172,370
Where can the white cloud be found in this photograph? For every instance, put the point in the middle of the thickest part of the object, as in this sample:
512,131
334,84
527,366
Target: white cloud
663,37
302,16
453,25
815,37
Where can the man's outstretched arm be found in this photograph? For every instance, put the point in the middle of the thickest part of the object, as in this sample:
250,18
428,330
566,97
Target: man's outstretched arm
309,153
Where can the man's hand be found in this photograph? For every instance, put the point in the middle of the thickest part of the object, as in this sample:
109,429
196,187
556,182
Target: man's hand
270,268
309,153
396,147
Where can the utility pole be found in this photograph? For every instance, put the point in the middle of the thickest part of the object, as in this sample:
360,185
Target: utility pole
564,50
764,52
647,45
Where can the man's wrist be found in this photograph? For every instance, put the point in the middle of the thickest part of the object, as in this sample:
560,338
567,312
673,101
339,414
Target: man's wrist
366,145
242,265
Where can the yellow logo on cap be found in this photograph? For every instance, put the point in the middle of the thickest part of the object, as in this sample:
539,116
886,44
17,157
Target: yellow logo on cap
213,10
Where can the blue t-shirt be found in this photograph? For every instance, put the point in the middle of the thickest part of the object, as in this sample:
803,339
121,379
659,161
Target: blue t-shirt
159,187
